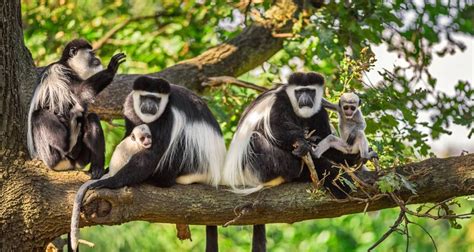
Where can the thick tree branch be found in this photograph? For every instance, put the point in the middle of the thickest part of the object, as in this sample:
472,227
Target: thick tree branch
249,49
180,204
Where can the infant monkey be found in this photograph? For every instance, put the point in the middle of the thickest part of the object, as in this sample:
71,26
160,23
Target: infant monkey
138,140
351,128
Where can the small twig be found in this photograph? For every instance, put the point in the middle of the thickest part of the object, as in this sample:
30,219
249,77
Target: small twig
438,204
392,229
428,233
240,211
407,232
87,243
284,35
221,80
312,169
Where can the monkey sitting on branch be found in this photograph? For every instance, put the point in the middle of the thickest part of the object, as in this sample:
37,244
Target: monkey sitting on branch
351,129
139,139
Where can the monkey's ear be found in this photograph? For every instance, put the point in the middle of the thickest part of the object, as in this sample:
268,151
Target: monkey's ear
133,137
73,51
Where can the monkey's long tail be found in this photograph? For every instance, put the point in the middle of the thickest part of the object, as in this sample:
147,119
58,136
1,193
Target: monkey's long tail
247,190
76,211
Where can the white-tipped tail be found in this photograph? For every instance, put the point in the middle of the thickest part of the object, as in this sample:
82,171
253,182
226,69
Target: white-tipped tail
53,93
236,172
76,211
204,146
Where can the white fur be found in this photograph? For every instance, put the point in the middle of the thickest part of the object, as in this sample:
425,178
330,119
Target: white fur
76,210
53,92
199,135
122,153
146,118
235,174
305,112
80,64
127,148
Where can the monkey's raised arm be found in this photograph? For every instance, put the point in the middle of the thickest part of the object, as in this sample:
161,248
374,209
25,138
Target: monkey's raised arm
92,86
329,105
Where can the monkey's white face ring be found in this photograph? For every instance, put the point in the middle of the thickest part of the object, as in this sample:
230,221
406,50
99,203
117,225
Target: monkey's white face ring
305,111
147,117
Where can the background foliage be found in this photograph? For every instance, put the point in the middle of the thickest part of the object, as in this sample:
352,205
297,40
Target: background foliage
336,40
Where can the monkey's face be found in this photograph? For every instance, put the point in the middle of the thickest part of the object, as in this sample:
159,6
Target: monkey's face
305,100
150,98
141,135
82,59
349,103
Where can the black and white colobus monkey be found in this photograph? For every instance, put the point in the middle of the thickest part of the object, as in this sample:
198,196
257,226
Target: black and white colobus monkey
60,130
262,152
139,139
351,129
188,146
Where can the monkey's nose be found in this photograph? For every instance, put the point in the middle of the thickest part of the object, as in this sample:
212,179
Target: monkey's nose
147,142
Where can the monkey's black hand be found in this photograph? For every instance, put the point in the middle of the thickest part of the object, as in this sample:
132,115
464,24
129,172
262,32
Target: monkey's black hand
97,173
351,138
302,147
115,62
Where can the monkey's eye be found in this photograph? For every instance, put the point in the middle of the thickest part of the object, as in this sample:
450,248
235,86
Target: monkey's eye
347,107
133,137
142,139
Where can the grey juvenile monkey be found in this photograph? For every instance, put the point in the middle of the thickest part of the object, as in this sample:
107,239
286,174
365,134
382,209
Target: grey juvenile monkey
138,140
351,129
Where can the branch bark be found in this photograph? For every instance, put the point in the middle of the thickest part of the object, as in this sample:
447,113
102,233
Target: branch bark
54,192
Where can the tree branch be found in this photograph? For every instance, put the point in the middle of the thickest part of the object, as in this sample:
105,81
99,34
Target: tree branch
221,80
249,49
101,42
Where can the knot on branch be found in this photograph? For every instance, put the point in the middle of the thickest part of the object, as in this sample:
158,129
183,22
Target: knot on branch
104,205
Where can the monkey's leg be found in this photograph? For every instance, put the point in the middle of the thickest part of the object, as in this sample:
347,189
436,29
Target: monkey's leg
192,178
330,141
51,140
212,244
362,143
259,240
94,141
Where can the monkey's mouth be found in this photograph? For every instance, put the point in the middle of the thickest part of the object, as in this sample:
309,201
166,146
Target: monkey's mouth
149,104
305,97
147,142
348,114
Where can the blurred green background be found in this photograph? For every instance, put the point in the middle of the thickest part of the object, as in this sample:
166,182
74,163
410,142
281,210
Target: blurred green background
405,108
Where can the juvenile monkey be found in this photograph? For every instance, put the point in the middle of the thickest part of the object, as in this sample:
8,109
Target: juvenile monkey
351,129
138,140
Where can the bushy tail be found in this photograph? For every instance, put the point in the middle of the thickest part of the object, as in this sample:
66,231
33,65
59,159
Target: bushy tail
76,211
247,190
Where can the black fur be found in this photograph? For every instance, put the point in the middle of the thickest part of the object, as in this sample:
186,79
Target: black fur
259,240
72,48
142,167
212,244
155,85
272,159
90,147
305,79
